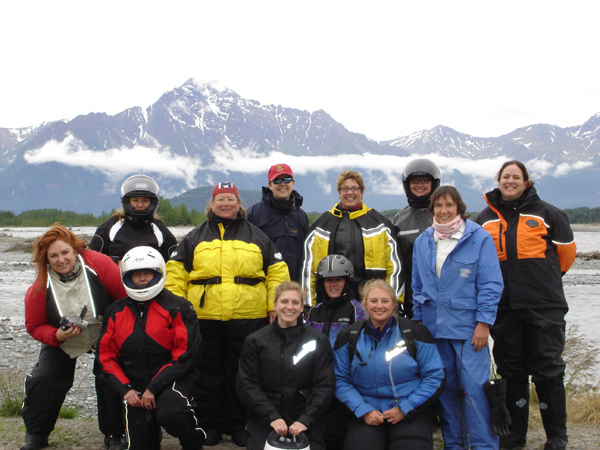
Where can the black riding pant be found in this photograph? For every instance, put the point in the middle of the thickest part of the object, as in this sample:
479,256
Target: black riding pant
414,435
47,386
219,407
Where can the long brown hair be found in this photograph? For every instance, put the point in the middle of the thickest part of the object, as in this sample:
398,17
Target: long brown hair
39,258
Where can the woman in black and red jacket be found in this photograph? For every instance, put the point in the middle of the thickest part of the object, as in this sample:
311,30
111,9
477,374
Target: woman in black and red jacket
149,349
535,246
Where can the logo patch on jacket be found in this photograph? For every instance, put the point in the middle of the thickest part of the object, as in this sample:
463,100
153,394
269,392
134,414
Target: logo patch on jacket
465,273
532,223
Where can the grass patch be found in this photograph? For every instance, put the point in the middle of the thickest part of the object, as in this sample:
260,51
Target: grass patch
69,412
12,394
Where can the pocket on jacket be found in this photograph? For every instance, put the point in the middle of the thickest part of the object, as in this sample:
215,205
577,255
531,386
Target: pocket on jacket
463,303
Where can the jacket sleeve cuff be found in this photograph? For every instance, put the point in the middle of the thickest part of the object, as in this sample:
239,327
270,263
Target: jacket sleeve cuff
273,416
405,406
363,409
305,420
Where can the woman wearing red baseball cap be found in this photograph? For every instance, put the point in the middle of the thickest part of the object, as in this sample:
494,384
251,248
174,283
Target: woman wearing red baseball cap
228,269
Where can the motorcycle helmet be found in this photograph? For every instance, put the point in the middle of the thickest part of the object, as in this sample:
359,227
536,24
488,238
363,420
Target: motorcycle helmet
139,186
335,266
139,259
276,442
420,167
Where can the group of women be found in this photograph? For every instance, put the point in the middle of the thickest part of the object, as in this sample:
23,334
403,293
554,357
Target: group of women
357,372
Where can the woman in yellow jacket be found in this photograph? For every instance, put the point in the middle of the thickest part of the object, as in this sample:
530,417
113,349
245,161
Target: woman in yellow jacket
228,269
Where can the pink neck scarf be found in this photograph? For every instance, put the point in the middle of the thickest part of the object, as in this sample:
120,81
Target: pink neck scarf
446,230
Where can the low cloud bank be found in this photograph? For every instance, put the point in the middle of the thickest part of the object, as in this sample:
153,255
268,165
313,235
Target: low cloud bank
382,173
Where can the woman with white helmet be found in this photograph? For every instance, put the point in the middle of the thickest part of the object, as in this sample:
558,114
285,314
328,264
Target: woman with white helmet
136,223
149,349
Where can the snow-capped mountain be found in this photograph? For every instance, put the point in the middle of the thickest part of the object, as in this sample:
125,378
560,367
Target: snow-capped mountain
198,134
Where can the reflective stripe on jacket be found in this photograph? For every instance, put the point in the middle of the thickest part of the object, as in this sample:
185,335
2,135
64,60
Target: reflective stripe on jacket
535,246
381,255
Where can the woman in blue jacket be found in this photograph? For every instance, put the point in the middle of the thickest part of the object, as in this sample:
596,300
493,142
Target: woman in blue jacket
457,284
388,372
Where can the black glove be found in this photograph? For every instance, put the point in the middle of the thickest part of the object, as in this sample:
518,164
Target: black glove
495,391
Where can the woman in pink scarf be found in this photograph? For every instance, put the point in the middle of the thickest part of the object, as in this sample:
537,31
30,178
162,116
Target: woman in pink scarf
457,284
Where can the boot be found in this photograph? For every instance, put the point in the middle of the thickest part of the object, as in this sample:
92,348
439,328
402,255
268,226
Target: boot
553,408
115,442
517,403
34,441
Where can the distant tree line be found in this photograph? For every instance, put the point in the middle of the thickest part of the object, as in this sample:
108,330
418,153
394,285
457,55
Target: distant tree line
174,216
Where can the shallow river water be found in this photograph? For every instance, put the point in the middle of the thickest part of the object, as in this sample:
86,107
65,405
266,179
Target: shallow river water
581,283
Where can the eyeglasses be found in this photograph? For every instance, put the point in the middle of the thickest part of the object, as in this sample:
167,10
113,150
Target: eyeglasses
420,181
353,189
286,180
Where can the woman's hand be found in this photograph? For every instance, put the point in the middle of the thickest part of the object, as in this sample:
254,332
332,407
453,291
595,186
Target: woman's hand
148,401
373,418
393,415
280,427
297,428
480,336
272,316
63,335
132,399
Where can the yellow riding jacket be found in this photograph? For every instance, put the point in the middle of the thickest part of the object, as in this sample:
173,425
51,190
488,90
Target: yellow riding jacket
375,234
227,270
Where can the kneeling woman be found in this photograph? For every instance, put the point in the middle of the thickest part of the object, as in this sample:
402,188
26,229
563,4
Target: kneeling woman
149,349
388,372
285,376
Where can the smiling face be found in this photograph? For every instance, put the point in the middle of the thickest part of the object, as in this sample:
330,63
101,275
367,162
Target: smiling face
283,190
511,183
380,306
445,209
288,307
139,203
61,257
350,194
420,186
334,286
226,205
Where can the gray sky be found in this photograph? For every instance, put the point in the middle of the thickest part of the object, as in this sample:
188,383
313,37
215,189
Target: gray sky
381,68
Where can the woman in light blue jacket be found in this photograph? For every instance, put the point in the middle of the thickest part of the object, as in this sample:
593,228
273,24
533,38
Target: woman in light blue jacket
457,284
388,372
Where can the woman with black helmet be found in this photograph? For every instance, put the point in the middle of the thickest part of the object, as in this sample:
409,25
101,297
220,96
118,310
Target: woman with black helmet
420,178
336,309
135,224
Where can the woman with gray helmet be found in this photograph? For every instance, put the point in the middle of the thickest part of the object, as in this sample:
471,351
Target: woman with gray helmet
420,178
136,224
336,309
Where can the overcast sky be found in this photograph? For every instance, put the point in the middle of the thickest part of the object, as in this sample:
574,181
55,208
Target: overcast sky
381,68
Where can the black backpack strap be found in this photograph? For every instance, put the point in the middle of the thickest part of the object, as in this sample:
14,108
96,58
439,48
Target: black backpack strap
407,335
353,332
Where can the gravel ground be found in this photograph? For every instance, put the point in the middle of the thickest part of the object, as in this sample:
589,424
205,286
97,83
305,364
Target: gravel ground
19,352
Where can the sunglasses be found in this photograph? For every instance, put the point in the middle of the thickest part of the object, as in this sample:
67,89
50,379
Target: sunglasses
286,180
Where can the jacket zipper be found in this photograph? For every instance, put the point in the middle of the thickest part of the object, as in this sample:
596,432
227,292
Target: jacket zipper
500,237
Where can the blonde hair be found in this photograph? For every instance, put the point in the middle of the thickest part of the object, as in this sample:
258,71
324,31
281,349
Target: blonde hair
289,286
374,283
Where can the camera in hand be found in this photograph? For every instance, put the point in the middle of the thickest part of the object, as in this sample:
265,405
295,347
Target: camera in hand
67,322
